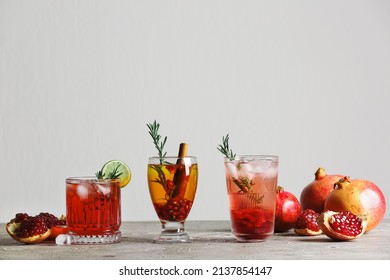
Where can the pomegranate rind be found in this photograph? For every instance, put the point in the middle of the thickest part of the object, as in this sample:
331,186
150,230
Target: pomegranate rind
12,226
324,220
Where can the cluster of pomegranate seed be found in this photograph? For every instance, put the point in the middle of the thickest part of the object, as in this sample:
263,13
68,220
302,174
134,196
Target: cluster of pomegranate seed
31,226
176,209
35,225
346,223
308,220
50,219
20,217
252,223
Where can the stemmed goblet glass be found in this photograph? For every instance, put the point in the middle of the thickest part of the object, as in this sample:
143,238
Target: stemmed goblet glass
172,186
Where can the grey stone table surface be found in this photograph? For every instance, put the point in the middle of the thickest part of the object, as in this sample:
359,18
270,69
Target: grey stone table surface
211,240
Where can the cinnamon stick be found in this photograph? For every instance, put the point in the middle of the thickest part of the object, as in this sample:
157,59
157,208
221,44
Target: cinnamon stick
180,178
183,150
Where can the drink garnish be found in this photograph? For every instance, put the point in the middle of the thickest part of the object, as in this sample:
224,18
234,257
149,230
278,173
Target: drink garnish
114,174
115,169
225,149
180,178
177,187
153,131
166,184
243,183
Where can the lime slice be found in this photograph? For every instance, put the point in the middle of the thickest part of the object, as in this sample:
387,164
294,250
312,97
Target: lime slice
121,167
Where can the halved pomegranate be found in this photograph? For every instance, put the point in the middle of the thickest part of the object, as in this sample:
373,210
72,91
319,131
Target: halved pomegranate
27,229
33,229
342,225
306,223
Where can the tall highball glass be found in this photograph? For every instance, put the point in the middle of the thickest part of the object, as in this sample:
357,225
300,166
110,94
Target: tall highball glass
251,186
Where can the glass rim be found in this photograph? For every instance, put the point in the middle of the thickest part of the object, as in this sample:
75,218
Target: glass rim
89,179
263,157
170,157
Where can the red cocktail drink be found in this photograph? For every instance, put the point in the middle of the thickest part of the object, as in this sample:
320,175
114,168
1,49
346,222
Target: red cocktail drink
93,209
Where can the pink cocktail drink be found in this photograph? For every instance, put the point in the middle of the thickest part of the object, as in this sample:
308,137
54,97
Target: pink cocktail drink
93,209
251,184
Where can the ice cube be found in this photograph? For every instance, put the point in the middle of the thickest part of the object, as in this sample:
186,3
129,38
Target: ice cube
63,239
245,170
232,169
187,164
260,166
103,189
271,172
82,191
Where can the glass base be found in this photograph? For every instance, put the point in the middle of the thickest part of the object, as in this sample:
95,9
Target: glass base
172,232
252,238
67,239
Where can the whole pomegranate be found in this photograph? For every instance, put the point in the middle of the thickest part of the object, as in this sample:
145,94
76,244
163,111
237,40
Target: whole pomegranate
313,196
360,197
287,211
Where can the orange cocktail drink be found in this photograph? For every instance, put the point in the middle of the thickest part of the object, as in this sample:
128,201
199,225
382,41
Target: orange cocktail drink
172,185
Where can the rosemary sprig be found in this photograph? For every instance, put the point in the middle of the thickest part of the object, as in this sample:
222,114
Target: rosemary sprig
153,131
246,187
225,149
256,198
99,174
114,174
162,180
244,184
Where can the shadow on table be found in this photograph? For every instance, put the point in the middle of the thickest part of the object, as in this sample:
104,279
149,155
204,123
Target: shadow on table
195,238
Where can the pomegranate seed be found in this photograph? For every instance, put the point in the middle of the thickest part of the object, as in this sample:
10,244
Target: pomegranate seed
20,217
32,226
346,223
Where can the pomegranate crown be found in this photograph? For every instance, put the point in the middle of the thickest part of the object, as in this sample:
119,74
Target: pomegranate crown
346,180
320,173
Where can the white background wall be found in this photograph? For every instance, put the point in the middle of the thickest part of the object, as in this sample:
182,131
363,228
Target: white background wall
306,80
